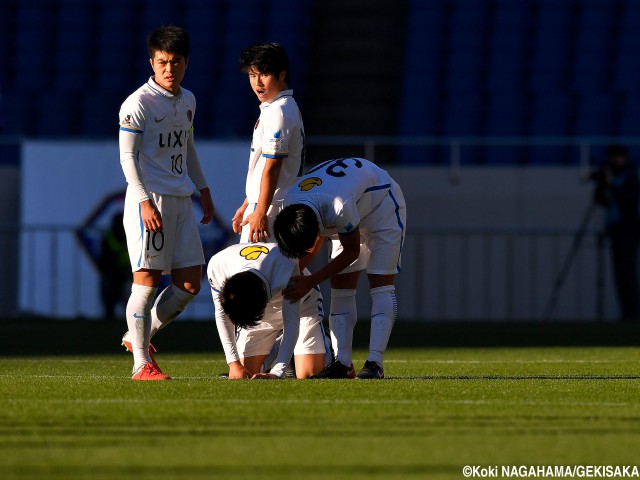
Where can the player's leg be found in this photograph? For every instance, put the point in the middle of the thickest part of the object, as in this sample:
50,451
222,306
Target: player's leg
147,256
253,364
385,246
312,348
171,302
254,344
138,312
342,320
384,309
343,314
183,240
309,364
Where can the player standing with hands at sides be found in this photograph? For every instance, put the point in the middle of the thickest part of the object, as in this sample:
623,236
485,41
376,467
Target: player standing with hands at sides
277,152
159,162
363,209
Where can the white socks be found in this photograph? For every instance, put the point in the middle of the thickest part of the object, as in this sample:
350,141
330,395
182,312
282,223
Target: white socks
383,315
169,304
342,321
139,322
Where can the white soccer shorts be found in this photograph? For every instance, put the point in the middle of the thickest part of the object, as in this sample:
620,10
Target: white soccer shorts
381,237
311,338
178,245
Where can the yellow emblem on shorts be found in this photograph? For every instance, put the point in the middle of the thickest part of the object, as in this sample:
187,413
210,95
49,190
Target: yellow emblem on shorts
309,183
253,252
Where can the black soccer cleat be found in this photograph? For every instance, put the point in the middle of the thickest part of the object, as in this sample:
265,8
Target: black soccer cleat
371,369
335,370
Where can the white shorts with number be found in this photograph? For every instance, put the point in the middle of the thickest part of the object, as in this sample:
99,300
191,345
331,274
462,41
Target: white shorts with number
311,339
381,237
178,245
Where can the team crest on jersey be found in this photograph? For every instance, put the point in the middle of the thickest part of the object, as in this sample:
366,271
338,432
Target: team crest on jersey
127,120
190,115
308,183
277,134
253,252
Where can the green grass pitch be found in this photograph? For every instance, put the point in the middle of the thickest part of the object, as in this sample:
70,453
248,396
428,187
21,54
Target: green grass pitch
440,408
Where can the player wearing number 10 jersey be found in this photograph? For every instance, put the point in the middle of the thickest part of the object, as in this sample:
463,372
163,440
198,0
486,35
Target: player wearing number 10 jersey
362,209
159,161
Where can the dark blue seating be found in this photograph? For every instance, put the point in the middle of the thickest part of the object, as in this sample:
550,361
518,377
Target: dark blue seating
596,114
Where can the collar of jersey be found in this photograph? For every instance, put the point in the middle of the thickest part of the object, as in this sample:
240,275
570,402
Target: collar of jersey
283,93
161,91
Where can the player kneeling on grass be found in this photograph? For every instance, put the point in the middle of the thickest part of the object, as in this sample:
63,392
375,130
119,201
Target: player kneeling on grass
246,284
365,206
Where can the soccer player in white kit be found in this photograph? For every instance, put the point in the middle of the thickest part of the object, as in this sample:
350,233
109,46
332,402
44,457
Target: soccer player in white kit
159,162
362,209
246,284
277,152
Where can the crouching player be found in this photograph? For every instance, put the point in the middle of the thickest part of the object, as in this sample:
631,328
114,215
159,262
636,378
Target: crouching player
362,209
246,284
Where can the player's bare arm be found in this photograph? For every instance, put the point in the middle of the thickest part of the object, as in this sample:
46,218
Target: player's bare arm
207,206
258,220
237,218
301,284
237,371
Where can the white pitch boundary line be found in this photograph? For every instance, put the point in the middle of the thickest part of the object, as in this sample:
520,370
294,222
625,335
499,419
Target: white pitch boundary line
426,361
280,401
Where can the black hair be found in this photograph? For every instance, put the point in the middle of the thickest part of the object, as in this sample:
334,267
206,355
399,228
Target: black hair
168,39
296,229
266,58
243,297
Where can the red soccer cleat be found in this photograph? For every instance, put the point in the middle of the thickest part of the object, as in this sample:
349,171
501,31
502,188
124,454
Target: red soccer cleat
149,371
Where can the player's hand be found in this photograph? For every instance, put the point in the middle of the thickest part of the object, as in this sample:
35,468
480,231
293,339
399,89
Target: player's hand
297,288
258,226
151,218
237,370
207,206
265,376
236,221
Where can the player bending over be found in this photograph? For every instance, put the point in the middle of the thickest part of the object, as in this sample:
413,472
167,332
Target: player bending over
362,209
246,284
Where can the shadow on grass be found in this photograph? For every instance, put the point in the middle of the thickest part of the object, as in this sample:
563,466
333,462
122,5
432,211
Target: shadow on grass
34,336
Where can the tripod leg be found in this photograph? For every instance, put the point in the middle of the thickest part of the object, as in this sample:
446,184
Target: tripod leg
566,265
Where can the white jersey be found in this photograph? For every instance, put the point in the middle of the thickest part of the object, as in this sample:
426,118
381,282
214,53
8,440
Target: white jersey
275,270
164,121
278,133
341,192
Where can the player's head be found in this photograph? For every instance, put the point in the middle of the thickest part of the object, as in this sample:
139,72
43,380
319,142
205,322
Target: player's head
296,229
243,297
169,55
170,39
266,58
267,66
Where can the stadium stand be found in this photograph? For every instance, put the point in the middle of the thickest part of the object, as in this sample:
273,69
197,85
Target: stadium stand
468,67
